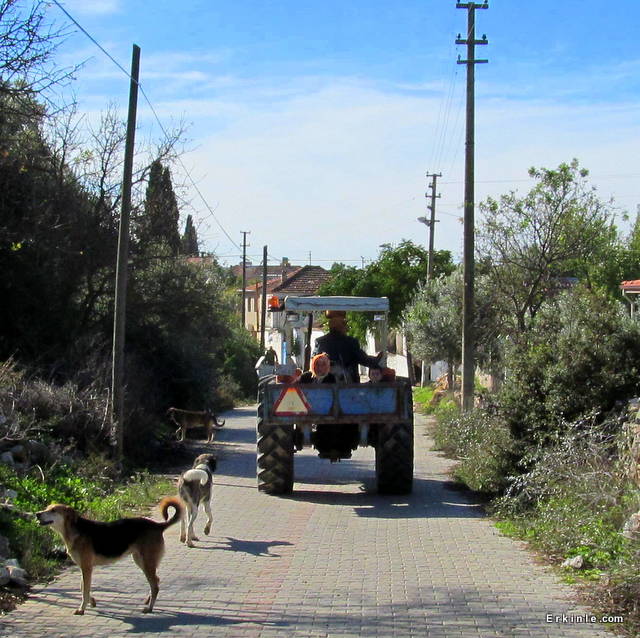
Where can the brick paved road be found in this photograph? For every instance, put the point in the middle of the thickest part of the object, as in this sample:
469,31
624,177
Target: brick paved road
332,560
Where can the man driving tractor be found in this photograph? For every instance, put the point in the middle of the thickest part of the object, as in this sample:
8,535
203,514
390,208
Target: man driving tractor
343,350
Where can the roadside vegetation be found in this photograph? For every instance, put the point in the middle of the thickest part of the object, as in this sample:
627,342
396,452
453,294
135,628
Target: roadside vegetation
553,446
60,205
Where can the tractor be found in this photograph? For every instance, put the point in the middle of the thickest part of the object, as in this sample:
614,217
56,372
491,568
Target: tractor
334,418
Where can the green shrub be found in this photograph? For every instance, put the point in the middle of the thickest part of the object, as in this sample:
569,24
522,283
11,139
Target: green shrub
581,354
446,433
481,443
576,498
422,398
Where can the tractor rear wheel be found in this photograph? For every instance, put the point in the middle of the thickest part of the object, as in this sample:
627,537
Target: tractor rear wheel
394,458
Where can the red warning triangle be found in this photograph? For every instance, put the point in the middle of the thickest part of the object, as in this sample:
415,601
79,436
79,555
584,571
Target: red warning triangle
291,402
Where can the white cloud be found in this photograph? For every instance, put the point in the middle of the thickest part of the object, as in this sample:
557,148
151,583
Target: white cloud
93,7
340,170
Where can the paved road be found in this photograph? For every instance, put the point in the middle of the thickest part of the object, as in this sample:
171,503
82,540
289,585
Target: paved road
332,560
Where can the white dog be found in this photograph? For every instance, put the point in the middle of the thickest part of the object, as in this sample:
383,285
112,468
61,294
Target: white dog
194,488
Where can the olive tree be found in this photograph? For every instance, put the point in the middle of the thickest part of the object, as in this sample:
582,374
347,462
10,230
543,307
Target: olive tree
529,243
433,322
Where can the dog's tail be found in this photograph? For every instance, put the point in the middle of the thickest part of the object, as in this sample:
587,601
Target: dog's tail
197,475
165,504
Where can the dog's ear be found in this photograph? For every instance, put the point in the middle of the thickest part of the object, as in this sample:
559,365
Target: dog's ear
68,512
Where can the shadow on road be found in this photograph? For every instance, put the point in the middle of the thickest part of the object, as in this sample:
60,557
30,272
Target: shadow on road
255,548
165,622
430,499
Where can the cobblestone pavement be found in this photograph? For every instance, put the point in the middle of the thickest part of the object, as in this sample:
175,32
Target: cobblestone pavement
333,560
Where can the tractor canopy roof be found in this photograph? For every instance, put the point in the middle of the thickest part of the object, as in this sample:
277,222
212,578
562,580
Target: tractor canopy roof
319,304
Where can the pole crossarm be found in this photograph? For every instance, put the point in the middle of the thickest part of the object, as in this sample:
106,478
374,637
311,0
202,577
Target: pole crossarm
472,5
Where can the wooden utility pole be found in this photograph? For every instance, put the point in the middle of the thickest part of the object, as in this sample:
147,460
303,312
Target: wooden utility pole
263,299
432,221
244,273
120,301
468,337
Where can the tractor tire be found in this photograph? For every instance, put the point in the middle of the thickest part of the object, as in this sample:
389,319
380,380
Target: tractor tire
275,445
275,459
394,458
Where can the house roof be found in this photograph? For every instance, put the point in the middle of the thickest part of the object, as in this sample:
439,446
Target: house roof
632,285
201,261
254,273
272,282
305,281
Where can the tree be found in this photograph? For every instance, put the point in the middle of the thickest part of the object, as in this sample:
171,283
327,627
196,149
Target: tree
56,238
433,322
27,45
189,244
159,222
396,274
581,354
560,228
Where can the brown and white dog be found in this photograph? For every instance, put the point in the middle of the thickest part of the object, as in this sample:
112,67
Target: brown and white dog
91,543
194,488
186,419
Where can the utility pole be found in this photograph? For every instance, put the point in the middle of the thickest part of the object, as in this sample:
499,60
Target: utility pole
263,299
468,337
244,272
432,221
122,265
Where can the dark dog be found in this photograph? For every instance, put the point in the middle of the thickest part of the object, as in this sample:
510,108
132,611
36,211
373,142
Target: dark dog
186,419
194,487
91,543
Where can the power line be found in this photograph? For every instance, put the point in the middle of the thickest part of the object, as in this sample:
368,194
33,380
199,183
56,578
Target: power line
94,40
162,128
191,180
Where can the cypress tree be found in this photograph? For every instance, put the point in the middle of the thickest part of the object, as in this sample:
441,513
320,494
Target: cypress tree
190,239
159,222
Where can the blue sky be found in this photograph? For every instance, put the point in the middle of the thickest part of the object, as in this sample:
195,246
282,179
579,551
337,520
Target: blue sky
313,123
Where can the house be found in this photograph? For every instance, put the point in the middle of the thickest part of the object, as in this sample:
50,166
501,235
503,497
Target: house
302,281
253,273
630,291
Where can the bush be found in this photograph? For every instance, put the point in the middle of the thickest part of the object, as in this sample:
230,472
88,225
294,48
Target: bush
56,414
582,353
576,498
422,398
483,445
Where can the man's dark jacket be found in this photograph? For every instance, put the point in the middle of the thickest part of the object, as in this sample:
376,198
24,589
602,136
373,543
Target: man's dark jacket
345,351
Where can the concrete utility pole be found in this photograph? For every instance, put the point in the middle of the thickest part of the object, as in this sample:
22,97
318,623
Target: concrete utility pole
122,265
468,337
432,221
244,272
263,299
